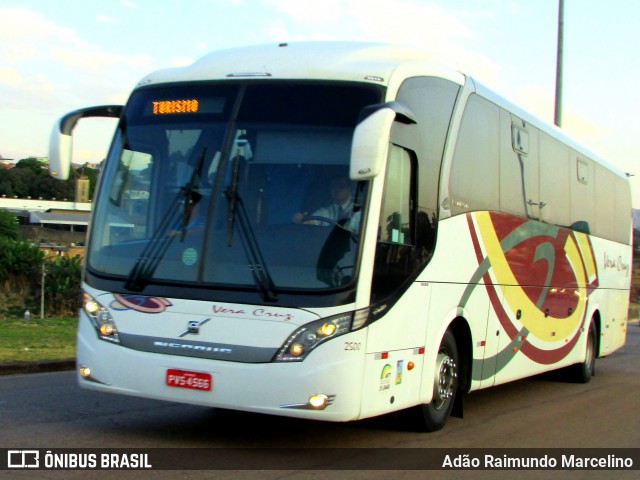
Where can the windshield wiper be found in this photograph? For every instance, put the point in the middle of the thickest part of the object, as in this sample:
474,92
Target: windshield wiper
188,192
154,251
160,241
257,264
232,196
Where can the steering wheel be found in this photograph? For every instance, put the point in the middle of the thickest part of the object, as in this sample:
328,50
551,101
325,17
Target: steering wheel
319,218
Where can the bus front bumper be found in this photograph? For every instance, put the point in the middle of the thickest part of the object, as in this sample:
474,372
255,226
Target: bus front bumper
327,385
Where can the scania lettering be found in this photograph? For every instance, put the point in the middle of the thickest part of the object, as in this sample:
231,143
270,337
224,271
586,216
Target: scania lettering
364,230
192,347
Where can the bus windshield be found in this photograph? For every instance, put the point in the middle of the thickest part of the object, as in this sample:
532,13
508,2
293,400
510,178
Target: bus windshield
233,186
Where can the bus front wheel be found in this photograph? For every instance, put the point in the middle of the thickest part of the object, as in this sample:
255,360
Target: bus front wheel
434,415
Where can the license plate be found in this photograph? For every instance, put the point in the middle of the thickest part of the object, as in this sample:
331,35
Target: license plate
188,379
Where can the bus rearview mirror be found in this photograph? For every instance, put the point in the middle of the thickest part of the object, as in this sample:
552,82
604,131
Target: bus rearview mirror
61,141
371,138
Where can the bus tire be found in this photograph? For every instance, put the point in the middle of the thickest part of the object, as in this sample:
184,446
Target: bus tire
445,385
582,372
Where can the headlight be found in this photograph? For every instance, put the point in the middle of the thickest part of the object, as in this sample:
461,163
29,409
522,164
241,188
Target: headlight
101,319
309,336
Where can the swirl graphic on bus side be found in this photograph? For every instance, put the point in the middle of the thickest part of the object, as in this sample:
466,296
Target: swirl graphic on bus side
543,274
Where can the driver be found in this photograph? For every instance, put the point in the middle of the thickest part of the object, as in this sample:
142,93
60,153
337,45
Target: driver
341,207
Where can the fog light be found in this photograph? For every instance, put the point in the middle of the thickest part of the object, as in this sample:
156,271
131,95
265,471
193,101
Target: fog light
318,401
85,371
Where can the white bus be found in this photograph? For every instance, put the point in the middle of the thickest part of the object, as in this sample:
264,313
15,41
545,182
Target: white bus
337,231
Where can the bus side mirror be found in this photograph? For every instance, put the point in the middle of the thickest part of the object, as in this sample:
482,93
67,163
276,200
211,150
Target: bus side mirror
61,141
60,147
371,138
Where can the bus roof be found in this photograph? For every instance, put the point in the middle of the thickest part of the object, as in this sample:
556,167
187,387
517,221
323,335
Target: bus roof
343,61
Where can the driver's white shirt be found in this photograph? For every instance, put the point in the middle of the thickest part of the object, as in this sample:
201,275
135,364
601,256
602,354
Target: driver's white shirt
337,212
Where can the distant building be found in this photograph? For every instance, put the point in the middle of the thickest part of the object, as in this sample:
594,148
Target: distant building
82,190
6,162
93,166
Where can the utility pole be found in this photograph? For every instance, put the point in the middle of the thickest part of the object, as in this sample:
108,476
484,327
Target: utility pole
44,273
557,119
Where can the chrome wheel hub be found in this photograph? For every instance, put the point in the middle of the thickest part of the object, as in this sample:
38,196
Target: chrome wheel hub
445,380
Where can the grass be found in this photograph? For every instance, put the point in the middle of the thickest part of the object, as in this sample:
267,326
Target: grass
38,339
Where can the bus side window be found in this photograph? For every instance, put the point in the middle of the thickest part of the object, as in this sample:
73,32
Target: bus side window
395,215
396,259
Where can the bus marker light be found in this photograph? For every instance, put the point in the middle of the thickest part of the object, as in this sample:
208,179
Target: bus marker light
361,316
85,371
410,365
309,338
107,329
296,349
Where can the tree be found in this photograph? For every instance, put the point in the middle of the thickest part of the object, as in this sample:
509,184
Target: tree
6,185
33,164
62,284
30,178
18,262
8,225
23,180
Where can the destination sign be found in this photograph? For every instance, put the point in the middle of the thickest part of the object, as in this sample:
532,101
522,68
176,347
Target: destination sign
164,107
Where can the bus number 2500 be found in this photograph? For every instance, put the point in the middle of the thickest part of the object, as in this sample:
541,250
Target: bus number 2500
352,345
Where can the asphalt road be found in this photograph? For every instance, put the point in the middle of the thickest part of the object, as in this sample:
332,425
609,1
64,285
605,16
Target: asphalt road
48,410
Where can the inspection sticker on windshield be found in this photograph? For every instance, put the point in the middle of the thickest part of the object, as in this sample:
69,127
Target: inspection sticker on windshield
190,256
188,379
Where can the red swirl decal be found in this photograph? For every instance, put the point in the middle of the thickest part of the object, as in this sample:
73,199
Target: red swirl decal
140,303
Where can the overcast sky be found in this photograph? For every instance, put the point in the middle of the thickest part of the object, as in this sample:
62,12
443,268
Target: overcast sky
62,55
